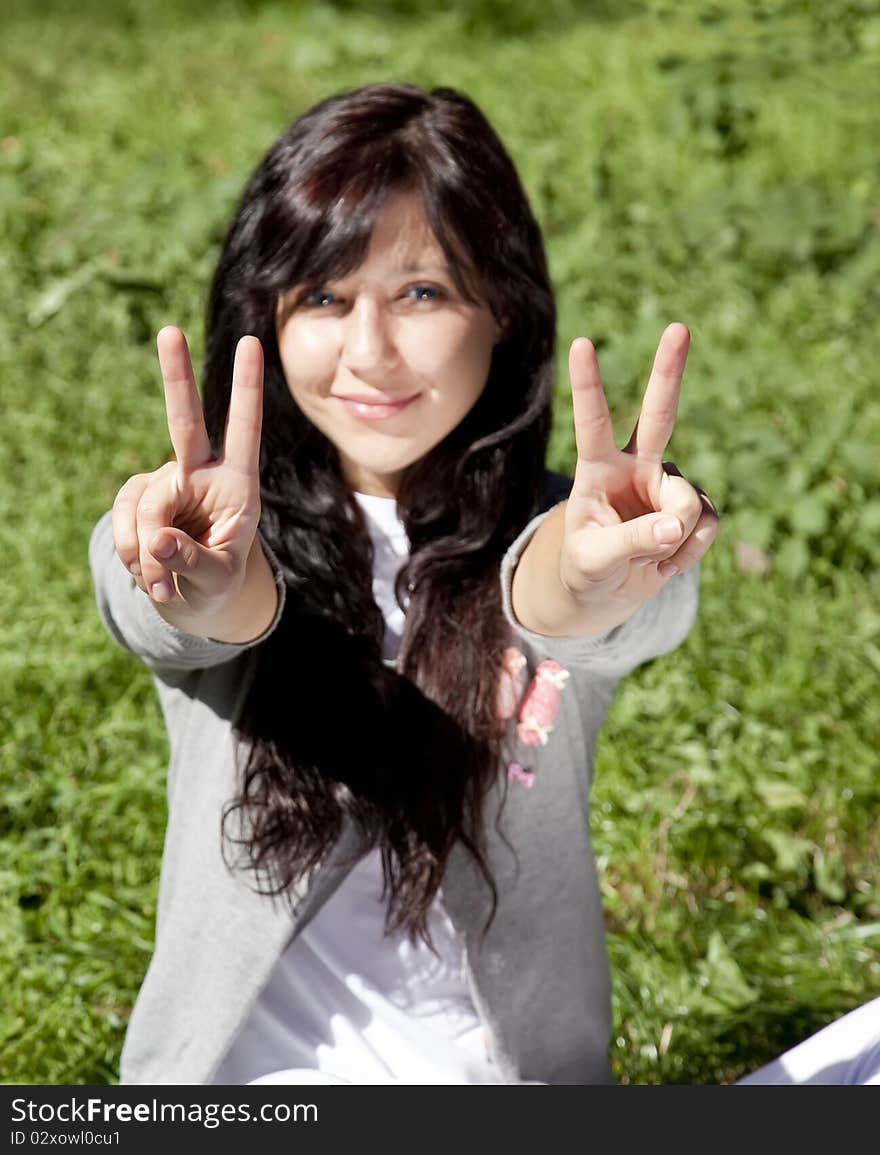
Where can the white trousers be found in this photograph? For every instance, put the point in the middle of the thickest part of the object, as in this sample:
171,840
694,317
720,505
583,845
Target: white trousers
846,1052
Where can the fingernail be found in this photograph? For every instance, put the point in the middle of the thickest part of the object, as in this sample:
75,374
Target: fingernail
166,548
135,569
643,561
667,569
667,531
161,591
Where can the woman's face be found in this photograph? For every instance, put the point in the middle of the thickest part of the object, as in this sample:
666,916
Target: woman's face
387,360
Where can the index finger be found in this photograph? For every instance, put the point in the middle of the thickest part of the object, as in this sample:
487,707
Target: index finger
241,445
186,422
593,431
656,419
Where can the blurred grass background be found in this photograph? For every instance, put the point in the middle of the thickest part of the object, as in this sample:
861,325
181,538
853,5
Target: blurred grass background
715,163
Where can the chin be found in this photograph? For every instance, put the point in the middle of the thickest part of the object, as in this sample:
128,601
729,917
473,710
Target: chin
386,466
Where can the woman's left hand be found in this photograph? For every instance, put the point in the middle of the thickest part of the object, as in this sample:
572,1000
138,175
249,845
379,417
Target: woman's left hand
622,498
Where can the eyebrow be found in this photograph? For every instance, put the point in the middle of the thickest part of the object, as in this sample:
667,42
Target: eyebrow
422,269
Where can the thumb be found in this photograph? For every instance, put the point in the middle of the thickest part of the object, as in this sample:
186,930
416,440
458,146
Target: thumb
209,570
652,537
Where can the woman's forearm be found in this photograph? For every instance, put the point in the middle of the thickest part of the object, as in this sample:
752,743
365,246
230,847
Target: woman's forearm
540,601
243,619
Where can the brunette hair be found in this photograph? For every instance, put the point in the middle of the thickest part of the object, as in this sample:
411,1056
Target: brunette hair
333,733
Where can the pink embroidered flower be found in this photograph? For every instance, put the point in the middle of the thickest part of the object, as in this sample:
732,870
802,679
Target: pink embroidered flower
511,683
537,716
517,773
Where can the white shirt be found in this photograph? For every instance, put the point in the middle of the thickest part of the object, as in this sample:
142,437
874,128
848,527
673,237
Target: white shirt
345,1003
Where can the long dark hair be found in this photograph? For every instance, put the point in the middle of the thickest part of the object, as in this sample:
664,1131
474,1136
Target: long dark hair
332,731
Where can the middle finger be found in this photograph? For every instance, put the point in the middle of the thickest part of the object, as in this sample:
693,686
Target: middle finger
656,419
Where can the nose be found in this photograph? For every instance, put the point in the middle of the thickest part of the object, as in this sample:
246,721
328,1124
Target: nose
368,346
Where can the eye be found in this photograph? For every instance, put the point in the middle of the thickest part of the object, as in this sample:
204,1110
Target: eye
424,293
318,299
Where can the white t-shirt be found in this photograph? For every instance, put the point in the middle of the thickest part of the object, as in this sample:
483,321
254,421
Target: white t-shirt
345,1003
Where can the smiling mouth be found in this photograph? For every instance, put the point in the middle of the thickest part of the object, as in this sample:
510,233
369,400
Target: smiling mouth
375,410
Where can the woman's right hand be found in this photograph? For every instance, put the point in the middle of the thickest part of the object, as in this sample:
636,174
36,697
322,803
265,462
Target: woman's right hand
185,532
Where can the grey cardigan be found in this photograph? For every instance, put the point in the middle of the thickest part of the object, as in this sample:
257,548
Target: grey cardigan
539,978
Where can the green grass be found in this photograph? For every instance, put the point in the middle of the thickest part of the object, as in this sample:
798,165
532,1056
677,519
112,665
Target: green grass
713,163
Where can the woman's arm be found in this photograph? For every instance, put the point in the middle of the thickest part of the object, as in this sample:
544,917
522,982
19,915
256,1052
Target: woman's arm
659,625
139,625
190,571
245,618
541,603
631,522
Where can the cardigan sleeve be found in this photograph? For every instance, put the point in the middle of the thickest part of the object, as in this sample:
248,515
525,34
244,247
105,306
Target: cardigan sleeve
658,625
134,623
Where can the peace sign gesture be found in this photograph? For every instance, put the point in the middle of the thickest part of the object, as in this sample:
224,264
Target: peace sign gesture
631,521
186,531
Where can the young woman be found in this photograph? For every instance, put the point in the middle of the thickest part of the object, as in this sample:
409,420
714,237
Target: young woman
383,637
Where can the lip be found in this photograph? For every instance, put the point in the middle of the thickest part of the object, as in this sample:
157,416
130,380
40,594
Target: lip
367,409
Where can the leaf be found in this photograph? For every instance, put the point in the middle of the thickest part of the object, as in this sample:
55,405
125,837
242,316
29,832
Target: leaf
869,516
792,559
857,931
796,479
53,299
861,457
779,795
872,653
755,527
830,876
810,515
791,851
725,980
